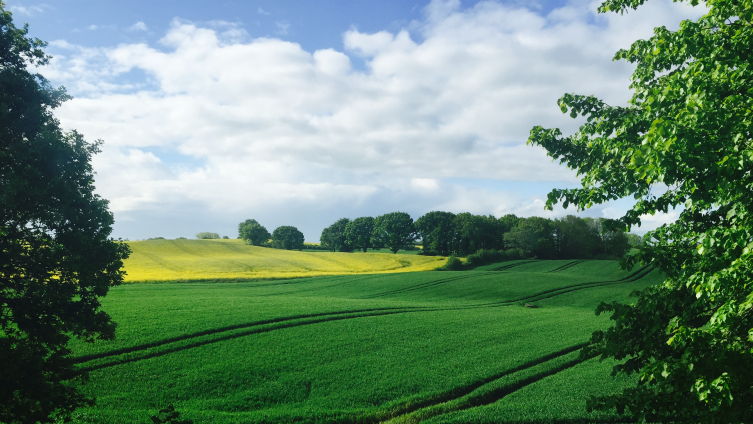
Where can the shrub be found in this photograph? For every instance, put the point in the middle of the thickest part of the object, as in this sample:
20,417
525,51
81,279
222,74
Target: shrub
452,264
206,235
485,256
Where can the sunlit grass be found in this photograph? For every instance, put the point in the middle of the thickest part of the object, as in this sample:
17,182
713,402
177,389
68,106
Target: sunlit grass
403,347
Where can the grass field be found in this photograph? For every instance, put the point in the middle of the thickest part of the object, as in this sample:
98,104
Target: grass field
232,260
438,347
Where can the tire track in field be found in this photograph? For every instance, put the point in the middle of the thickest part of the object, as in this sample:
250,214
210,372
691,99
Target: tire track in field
499,393
235,336
299,290
510,266
423,285
421,410
546,294
300,320
567,266
130,349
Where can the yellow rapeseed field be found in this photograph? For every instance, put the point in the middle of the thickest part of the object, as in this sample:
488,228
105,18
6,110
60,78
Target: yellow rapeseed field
165,260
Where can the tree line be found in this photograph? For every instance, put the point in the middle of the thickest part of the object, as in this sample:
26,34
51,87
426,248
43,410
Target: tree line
446,233
284,237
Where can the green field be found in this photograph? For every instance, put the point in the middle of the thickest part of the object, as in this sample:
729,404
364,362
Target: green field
438,347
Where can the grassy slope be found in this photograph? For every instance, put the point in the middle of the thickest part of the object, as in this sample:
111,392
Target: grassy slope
170,260
333,349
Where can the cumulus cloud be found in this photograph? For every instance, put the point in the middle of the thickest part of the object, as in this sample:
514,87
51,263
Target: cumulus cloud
276,128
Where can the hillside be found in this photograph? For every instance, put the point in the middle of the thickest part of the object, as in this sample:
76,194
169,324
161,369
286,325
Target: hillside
433,346
217,260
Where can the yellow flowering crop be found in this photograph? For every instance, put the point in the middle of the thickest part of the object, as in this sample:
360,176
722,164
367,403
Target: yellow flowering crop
164,260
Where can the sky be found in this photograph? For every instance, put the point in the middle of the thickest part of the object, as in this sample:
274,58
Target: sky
300,113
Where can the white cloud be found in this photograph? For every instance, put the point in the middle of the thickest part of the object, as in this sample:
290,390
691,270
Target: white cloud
138,26
92,27
276,128
262,12
30,10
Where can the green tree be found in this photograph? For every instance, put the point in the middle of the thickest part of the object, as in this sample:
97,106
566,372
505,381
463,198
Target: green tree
394,230
687,126
287,237
575,238
437,232
358,232
508,222
533,236
253,233
333,237
613,239
207,235
57,258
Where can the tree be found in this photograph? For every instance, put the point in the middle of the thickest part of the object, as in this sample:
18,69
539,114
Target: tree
687,126
57,255
575,238
613,240
287,237
207,236
394,230
358,232
253,233
533,236
333,237
437,232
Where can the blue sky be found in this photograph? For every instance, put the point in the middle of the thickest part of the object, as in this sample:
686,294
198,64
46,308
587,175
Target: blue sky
301,113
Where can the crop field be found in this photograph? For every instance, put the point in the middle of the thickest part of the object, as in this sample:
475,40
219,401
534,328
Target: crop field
434,347
232,260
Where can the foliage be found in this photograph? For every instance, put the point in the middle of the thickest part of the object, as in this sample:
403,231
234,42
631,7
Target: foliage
394,231
288,238
57,258
207,236
486,256
687,127
452,264
474,232
437,232
334,237
634,240
169,415
533,236
253,233
358,232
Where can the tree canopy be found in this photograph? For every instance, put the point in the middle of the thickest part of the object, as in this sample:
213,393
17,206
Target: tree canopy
287,237
57,256
333,237
437,232
687,128
253,233
394,230
358,232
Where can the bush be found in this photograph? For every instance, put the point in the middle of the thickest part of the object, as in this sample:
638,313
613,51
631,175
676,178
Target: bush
485,256
452,264
225,237
206,236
